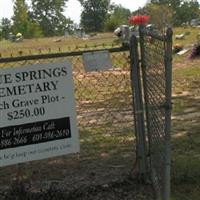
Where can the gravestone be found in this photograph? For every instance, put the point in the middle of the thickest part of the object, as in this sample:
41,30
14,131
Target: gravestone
97,61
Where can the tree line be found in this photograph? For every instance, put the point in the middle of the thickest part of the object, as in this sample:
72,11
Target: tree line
36,18
174,12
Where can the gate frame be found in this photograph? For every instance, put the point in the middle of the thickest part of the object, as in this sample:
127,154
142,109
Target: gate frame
141,150
143,134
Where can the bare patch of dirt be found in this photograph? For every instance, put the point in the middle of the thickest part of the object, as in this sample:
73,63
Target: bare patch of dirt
127,189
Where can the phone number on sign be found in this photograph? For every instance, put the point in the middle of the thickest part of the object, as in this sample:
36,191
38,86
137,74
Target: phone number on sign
26,113
49,135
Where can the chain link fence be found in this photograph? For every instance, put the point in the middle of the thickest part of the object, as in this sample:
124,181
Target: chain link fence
105,121
108,145
153,107
157,79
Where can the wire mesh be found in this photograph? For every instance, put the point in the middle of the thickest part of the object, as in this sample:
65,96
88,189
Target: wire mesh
155,94
155,80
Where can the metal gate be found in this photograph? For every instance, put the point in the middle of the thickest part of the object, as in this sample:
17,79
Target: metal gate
152,83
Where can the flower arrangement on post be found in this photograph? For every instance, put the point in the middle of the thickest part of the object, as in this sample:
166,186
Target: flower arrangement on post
139,20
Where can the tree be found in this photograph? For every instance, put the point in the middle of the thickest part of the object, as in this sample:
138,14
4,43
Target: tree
183,10
118,16
187,11
159,1
5,28
94,14
49,15
20,18
161,15
22,22
174,2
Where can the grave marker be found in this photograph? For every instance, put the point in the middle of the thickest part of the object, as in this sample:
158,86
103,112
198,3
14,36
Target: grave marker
97,61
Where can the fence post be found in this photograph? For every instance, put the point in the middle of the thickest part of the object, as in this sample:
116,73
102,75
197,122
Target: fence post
168,108
138,108
146,99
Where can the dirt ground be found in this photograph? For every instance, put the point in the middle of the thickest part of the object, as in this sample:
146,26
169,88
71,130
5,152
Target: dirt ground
127,189
85,179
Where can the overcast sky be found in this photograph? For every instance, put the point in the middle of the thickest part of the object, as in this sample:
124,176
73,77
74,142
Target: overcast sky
73,7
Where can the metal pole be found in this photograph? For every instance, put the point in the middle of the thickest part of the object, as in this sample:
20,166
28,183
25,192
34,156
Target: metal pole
168,108
145,91
138,107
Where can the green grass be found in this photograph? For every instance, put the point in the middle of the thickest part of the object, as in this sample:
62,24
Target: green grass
55,44
190,38
186,133
187,43
186,192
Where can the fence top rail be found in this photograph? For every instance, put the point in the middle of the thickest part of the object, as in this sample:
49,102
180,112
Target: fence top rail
57,55
154,35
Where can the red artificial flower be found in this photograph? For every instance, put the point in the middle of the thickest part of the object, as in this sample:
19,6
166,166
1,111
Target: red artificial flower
139,19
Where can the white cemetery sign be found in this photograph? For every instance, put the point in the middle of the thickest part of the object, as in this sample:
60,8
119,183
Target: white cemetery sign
37,113
97,61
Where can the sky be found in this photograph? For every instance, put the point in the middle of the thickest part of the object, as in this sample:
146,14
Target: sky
73,9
